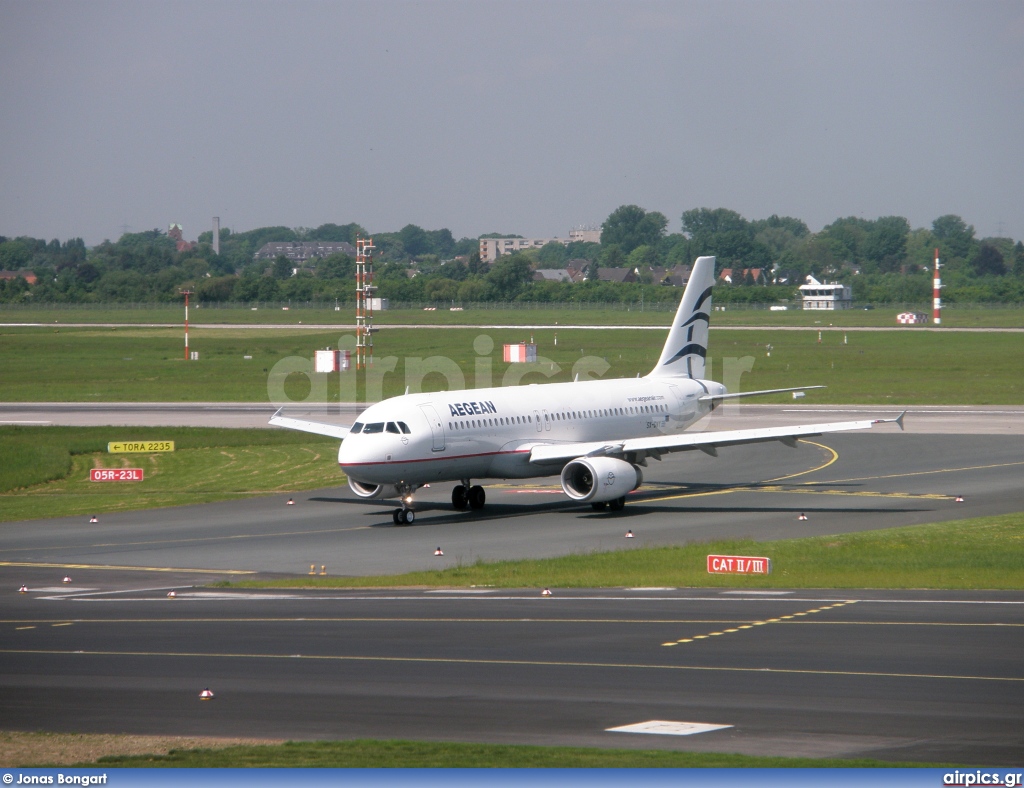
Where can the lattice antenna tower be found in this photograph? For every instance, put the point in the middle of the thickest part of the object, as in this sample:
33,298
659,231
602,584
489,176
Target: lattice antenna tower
364,302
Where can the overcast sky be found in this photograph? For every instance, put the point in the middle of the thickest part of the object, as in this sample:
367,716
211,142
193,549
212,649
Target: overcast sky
513,116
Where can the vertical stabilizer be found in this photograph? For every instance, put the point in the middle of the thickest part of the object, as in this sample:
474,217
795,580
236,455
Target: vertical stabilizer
687,344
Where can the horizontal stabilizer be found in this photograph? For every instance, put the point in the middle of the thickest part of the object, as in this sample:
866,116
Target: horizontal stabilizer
717,397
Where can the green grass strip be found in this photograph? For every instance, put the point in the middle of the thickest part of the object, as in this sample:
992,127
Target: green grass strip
408,754
980,553
44,471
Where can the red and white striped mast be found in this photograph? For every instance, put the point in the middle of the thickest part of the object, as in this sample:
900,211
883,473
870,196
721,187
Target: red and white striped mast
186,293
936,294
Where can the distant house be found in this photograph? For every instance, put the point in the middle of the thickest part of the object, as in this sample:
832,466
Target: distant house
670,277
25,274
299,252
822,295
735,276
616,274
552,275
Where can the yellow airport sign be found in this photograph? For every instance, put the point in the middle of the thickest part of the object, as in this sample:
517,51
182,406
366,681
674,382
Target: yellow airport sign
130,447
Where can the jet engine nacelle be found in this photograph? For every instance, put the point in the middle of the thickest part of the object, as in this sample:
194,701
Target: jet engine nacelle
372,490
599,479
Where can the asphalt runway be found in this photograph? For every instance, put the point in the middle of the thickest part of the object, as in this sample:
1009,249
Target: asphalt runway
843,483
934,677
892,675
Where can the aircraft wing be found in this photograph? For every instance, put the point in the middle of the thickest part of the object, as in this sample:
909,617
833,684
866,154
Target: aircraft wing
318,428
707,442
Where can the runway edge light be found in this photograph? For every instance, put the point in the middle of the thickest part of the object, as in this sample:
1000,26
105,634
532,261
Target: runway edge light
206,694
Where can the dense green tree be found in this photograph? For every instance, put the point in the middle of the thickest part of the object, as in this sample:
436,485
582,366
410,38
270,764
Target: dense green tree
954,236
282,268
510,275
630,226
552,255
885,243
725,234
347,233
988,261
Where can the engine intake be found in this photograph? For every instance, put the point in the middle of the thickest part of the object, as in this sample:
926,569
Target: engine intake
372,490
599,479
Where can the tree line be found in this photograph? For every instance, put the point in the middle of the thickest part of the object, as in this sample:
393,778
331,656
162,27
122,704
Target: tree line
884,259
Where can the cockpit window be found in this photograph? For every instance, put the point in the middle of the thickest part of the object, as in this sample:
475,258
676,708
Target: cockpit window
377,426
392,427
404,427
356,428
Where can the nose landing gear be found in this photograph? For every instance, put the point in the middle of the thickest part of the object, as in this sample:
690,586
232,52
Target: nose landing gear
404,515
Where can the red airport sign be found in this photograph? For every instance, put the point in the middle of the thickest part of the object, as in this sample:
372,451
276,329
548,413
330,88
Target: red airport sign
739,565
115,475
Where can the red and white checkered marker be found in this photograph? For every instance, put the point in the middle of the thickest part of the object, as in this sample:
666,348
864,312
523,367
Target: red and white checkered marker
546,592
206,694
67,579
23,589
439,551
802,516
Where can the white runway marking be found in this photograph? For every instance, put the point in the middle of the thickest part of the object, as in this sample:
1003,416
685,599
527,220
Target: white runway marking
668,728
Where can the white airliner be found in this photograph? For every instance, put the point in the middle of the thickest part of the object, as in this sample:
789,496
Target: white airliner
596,434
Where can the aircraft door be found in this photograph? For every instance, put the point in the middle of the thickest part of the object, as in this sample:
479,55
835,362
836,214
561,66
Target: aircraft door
436,427
536,416
547,421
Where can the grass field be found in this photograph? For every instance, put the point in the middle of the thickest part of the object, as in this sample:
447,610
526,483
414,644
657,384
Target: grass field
45,470
986,552
505,314
145,364
410,755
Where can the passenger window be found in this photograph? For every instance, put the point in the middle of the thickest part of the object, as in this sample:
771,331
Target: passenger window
405,428
377,426
356,428
393,428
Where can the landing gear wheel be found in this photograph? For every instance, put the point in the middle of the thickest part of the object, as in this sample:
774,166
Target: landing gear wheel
396,516
460,499
408,517
616,504
599,507
477,497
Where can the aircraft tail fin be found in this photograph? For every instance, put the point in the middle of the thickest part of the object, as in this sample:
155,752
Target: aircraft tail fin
687,343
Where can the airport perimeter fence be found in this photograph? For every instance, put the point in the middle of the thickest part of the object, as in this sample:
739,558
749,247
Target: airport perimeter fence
489,306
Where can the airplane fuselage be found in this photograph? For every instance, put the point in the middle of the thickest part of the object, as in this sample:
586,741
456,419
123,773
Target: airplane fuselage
417,439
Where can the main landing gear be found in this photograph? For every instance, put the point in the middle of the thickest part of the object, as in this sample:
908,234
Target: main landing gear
616,504
403,516
464,495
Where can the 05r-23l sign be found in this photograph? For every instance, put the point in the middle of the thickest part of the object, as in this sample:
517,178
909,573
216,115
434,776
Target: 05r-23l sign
145,447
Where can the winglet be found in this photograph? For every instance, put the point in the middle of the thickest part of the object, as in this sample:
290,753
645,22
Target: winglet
898,421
